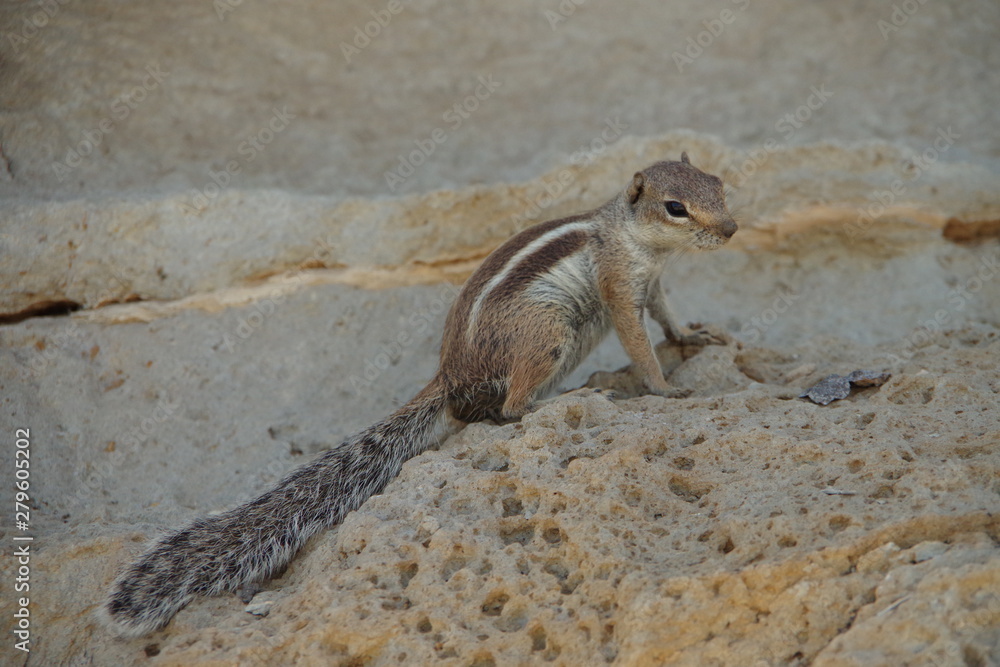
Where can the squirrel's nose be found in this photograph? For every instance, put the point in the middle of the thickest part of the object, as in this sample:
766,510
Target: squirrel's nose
728,228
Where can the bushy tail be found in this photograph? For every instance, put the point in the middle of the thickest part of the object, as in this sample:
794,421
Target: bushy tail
253,541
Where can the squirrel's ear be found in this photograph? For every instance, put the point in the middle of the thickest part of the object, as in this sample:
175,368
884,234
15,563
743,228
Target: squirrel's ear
684,158
635,187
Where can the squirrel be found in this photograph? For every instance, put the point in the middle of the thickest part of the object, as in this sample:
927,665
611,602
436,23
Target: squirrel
523,321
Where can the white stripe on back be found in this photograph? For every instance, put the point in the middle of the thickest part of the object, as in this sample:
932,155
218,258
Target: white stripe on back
521,255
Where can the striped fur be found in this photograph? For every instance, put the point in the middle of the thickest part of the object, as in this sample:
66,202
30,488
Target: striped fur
524,320
534,258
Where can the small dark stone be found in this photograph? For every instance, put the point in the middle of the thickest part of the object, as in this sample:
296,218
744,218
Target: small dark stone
868,378
828,390
835,387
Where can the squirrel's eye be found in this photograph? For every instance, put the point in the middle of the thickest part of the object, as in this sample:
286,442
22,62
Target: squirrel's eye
676,209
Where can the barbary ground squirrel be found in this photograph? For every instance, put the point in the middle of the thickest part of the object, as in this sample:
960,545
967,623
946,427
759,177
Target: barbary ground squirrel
524,320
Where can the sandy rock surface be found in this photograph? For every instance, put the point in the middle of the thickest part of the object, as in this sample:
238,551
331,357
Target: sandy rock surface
201,342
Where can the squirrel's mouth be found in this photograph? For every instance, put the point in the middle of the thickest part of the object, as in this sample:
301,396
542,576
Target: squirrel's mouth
710,240
716,235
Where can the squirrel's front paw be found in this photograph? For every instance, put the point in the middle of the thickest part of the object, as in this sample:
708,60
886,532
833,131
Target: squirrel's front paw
664,390
700,336
609,394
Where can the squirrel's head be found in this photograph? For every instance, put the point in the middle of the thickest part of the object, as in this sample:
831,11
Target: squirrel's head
677,204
